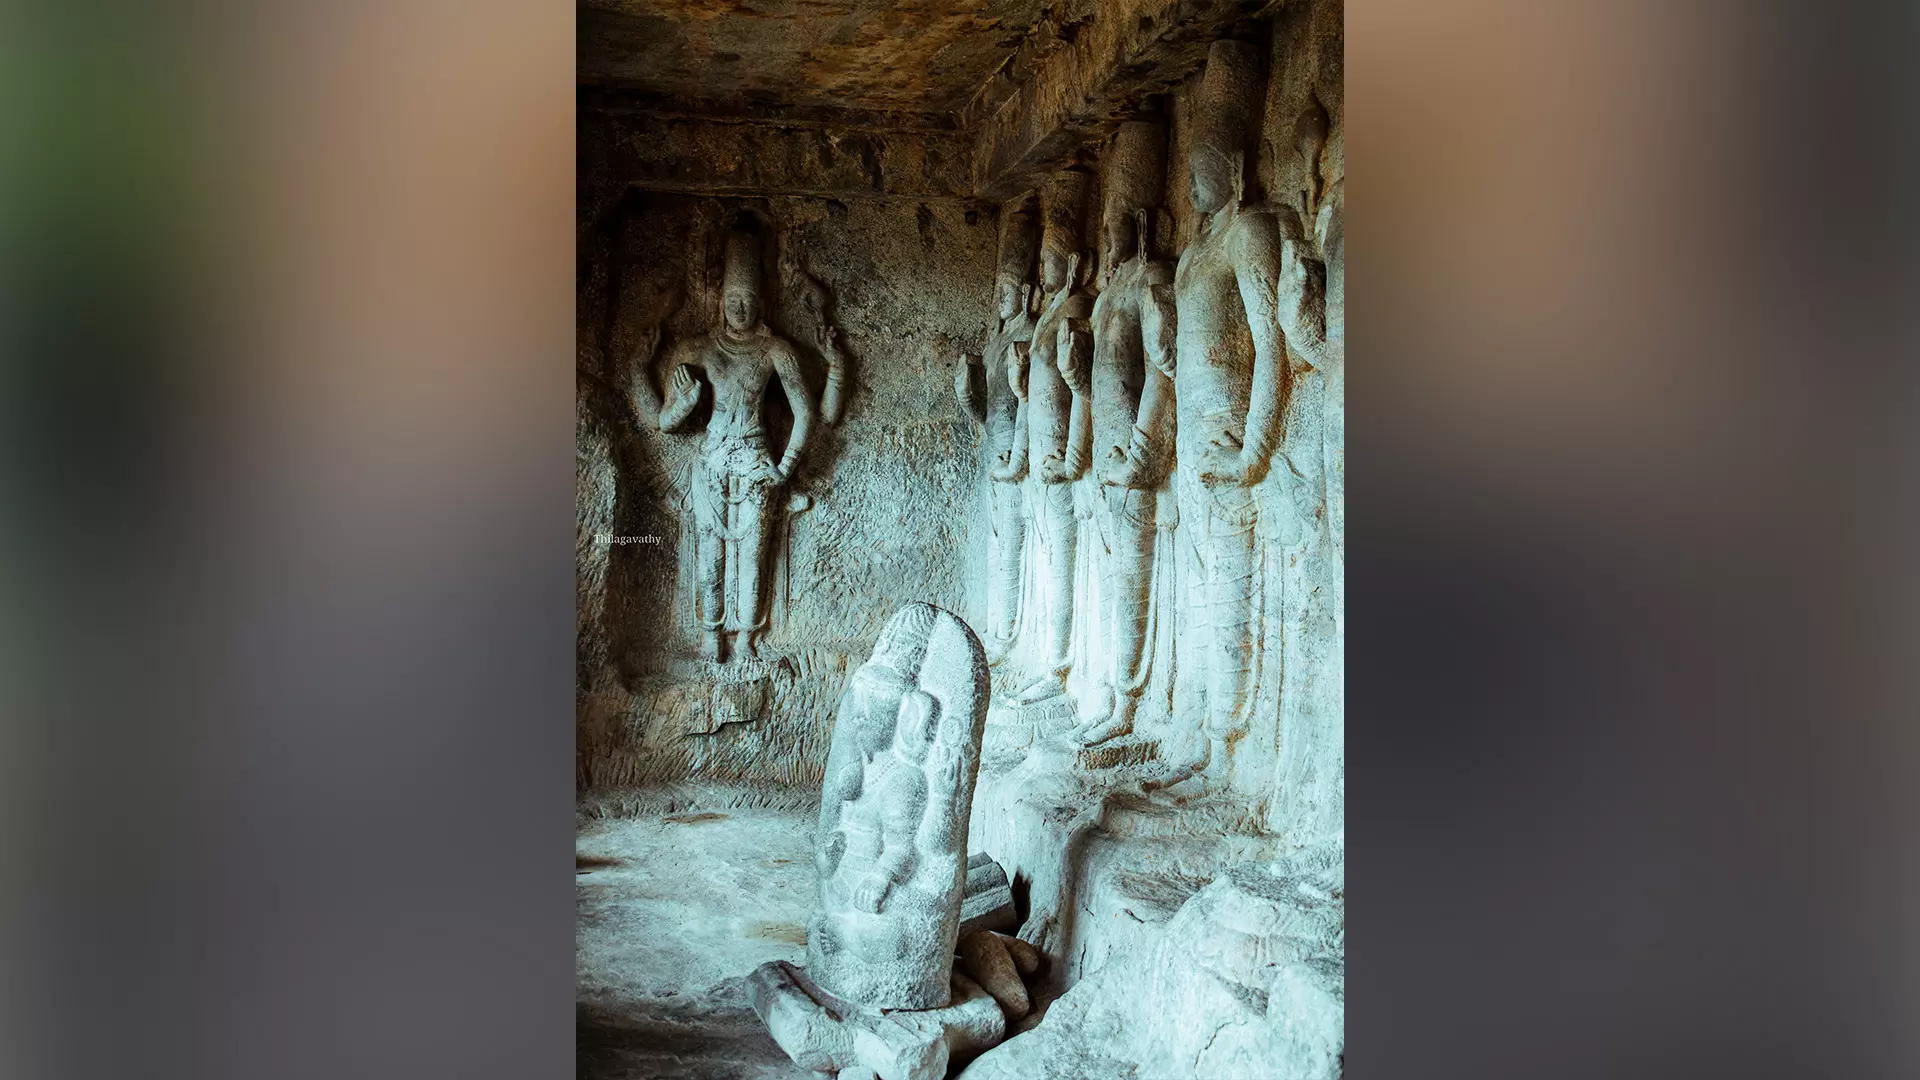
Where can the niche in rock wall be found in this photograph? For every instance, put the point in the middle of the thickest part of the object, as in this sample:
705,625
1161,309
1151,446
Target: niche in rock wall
769,561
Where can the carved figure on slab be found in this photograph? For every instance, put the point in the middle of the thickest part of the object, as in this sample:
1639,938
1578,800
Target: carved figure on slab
890,852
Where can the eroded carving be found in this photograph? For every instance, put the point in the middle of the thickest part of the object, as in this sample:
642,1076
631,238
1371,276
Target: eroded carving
1231,287
1132,399
1054,385
890,853
983,387
738,487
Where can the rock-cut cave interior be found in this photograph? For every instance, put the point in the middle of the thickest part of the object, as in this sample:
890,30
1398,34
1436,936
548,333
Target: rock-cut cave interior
960,539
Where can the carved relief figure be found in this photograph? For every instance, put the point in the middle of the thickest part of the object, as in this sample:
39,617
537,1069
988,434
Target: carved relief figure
1133,366
738,483
1231,370
996,404
890,851
1055,387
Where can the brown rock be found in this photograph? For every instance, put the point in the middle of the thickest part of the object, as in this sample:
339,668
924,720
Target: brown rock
984,956
1025,957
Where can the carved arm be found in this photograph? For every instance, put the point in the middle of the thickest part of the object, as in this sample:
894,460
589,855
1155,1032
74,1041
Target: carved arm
970,402
1014,466
1139,464
640,364
787,367
1257,268
831,404
1302,302
1073,354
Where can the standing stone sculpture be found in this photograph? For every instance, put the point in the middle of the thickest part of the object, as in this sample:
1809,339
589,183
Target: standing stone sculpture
1133,367
736,492
1231,361
879,995
995,404
1055,387
890,853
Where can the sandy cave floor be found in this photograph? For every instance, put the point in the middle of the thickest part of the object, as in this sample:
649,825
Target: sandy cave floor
673,912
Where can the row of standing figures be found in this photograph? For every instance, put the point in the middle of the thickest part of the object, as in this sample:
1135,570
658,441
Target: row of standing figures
1211,353
1132,358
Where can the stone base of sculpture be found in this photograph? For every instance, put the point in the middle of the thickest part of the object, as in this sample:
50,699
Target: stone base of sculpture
826,1034
1121,752
1014,726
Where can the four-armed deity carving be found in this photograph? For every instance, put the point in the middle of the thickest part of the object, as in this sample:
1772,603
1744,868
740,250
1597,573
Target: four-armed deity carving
736,493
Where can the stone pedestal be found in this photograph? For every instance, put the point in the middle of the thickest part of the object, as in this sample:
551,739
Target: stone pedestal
1012,726
825,1034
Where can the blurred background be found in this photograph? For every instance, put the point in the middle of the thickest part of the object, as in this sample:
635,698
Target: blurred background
286,704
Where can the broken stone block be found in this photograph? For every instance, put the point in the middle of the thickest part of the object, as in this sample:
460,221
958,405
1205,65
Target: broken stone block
825,1034
988,904
907,1045
985,958
974,1021
812,1035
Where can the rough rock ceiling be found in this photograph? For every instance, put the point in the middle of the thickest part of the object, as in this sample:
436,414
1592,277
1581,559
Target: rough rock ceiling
917,55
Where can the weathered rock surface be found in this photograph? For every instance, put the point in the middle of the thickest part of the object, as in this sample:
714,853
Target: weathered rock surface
1115,447
1247,980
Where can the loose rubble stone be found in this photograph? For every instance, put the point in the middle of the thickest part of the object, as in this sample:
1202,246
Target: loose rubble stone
1026,958
985,958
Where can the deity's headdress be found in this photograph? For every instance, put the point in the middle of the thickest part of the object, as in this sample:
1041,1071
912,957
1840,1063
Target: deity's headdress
1019,239
742,267
1230,91
1060,206
1136,168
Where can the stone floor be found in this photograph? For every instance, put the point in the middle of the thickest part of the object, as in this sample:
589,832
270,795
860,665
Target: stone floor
673,912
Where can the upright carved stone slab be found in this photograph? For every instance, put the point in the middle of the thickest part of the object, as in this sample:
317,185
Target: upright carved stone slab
890,852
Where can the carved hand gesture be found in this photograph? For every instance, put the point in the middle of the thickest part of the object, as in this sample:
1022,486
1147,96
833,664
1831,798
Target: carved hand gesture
1226,461
1007,472
1017,370
867,893
1121,470
681,384
1074,353
1053,469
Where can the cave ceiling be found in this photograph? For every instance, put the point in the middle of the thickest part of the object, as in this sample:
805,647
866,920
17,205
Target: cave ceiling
924,56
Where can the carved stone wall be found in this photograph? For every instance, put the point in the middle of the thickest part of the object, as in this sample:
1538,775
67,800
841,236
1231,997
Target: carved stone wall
877,514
